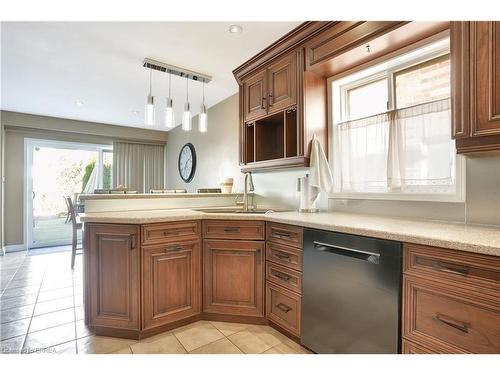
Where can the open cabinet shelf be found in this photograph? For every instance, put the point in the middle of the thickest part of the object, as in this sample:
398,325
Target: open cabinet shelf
272,141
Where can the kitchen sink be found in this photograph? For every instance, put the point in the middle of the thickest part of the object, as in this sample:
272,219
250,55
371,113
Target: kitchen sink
235,211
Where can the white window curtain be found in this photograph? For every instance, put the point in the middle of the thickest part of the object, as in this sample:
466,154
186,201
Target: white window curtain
408,150
139,167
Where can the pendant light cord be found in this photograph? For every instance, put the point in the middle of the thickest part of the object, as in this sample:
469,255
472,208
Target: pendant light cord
170,85
203,92
187,90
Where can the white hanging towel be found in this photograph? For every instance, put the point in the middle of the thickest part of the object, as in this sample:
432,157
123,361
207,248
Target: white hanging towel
320,178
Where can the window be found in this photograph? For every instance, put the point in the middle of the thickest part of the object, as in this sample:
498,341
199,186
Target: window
391,129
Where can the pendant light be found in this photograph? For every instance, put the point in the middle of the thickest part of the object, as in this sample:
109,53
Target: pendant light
150,106
186,117
202,118
169,110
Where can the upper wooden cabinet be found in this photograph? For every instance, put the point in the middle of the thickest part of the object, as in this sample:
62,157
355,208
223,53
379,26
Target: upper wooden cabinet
112,253
282,83
475,51
255,96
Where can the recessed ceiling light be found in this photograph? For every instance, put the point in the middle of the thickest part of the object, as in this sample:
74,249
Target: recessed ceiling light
234,29
135,112
78,103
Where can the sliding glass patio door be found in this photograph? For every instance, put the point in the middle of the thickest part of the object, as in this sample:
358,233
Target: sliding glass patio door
57,170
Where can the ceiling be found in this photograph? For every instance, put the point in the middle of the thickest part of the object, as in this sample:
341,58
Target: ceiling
47,67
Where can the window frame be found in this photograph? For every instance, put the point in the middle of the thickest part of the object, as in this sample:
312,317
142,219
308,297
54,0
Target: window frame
390,72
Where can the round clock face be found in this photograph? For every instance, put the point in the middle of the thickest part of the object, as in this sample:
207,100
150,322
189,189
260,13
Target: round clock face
187,162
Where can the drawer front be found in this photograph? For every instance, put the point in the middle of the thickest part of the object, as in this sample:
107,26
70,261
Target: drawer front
170,232
284,255
283,308
457,267
233,229
285,234
285,277
450,318
411,348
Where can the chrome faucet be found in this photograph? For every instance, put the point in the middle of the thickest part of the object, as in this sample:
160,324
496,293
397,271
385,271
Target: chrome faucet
248,187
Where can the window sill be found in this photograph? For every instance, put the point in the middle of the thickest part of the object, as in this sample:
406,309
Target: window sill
445,198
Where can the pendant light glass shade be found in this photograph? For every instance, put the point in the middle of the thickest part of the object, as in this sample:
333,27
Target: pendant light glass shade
186,116
169,110
202,118
149,111
169,115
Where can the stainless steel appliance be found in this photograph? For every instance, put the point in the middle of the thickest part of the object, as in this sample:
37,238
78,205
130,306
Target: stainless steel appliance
351,293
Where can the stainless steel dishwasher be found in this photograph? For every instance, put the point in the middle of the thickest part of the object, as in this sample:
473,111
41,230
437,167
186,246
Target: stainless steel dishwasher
351,293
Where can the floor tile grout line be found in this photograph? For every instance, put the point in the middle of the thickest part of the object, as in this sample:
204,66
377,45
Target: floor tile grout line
15,273
34,307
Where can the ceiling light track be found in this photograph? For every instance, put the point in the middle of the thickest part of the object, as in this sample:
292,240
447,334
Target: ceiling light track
171,69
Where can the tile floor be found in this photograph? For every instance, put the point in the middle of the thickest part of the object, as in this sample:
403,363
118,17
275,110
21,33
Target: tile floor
42,312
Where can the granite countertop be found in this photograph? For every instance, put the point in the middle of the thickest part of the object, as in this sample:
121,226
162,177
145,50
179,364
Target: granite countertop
471,238
84,197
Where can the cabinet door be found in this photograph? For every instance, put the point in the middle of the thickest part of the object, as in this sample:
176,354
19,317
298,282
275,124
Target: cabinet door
113,256
233,277
255,96
171,283
485,42
282,81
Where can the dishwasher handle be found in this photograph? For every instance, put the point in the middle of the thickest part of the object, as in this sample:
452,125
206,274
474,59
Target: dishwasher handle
347,251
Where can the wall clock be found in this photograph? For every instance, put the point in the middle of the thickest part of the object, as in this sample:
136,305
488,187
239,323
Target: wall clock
187,162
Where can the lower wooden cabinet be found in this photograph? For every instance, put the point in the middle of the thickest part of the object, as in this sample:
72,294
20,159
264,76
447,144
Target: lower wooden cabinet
233,274
171,283
112,254
283,308
410,348
451,300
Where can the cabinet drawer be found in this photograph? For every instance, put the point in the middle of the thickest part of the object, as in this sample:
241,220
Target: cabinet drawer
283,308
457,267
284,255
285,234
411,348
285,277
233,229
445,316
169,232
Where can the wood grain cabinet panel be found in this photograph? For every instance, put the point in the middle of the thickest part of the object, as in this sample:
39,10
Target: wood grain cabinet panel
284,255
282,83
170,232
233,277
113,255
449,319
255,96
475,53
409,347
285,277
284,234
234,229
171,283
283,308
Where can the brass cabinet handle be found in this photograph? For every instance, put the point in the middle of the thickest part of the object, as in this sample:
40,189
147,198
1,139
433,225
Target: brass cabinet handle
280,275
263,103
282,256
282,234
232,230
461,326
283,307
451,268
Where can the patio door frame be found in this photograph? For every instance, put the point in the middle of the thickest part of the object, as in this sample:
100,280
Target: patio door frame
29,145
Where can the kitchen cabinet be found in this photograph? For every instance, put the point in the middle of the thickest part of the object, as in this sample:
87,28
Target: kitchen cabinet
451,300
284,276
255,96
475,52
113,276
171,282
233,277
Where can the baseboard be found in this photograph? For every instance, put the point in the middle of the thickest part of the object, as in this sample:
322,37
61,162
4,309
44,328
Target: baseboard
13,248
